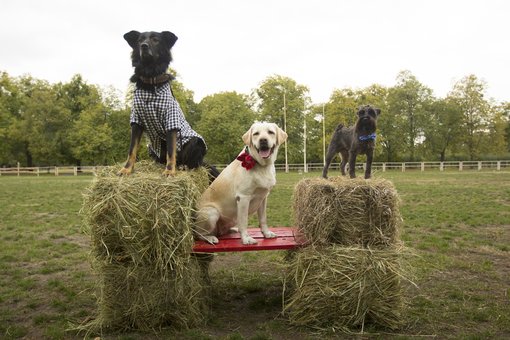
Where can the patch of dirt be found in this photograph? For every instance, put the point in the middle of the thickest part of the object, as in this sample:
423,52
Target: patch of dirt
471,295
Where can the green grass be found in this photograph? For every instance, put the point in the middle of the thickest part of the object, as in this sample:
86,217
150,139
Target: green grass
457,222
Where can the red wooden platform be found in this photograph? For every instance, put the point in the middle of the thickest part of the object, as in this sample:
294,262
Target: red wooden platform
288,238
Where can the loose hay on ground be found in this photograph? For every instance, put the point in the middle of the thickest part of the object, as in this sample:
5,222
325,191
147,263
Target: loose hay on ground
351,212
338,288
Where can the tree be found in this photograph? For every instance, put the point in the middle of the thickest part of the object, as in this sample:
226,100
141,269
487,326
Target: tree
270,106
92,137
496,143
314,133
10,109
443,131
31,101
410,99
77,96
225,117
505,108
468,94
46,123
118,121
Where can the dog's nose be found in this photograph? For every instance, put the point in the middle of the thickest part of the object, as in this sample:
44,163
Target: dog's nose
263,141
144,46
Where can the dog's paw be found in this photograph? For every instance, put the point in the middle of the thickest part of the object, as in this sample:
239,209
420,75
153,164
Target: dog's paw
269,234
125,172
249,240
210,239
168,173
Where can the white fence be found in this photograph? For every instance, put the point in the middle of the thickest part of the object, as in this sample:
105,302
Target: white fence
408,166
377,166
50,170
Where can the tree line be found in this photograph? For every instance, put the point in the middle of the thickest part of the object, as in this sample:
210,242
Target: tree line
44,124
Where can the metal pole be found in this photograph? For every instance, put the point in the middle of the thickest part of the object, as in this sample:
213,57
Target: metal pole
305,168
323,135
285,129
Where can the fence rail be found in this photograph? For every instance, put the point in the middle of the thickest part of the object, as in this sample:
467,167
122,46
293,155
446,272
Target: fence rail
377,166
50,170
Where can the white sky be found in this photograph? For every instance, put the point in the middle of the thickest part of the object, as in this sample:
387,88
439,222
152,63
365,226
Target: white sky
233,45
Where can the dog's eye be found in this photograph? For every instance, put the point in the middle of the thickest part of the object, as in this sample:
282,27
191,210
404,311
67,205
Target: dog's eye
155,39
256,133
371,112
271,132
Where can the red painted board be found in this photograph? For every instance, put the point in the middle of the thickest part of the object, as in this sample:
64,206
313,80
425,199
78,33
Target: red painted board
287,239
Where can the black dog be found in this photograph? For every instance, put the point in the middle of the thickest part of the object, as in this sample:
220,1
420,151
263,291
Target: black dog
354,140
172,140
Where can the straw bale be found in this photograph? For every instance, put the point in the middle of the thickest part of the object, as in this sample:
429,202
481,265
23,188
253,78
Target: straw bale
144,218
338,288
131,297
350,212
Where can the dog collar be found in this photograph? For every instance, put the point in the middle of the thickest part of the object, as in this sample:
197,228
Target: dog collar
162,78
247,161
367,137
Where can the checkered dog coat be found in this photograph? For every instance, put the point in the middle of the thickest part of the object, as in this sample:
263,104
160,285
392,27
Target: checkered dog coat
157,112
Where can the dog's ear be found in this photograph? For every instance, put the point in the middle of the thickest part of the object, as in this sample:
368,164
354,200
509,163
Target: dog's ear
247,137
377,112
169,38
282,135
132,38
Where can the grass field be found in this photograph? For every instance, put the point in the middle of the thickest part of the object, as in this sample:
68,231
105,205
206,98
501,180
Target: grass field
457,222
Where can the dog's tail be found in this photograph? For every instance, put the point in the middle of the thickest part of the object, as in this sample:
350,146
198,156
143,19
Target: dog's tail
212,171
339,127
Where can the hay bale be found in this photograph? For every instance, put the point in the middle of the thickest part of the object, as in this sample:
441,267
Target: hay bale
132,297
141,235
337,288
350,212
144,219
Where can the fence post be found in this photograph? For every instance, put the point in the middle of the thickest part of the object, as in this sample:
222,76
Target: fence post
479,166
403,167
384,167
498,165
422,166
441,166
37,171
75,170
18,168
460,166
56,171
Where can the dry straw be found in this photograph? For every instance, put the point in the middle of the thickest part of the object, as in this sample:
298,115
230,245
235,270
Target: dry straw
145,218
338,288
141,236
352,271
132,297
351,212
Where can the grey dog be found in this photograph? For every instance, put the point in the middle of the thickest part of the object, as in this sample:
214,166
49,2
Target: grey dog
354,140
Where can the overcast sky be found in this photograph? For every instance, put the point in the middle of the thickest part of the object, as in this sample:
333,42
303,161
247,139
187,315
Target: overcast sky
233,45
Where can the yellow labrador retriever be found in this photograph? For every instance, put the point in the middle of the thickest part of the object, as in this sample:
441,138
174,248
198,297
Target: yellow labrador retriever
242,187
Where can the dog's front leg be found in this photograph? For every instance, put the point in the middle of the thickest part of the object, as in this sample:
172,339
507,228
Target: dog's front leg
352,163
368,170
243,206
261,213
171,152
136,136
